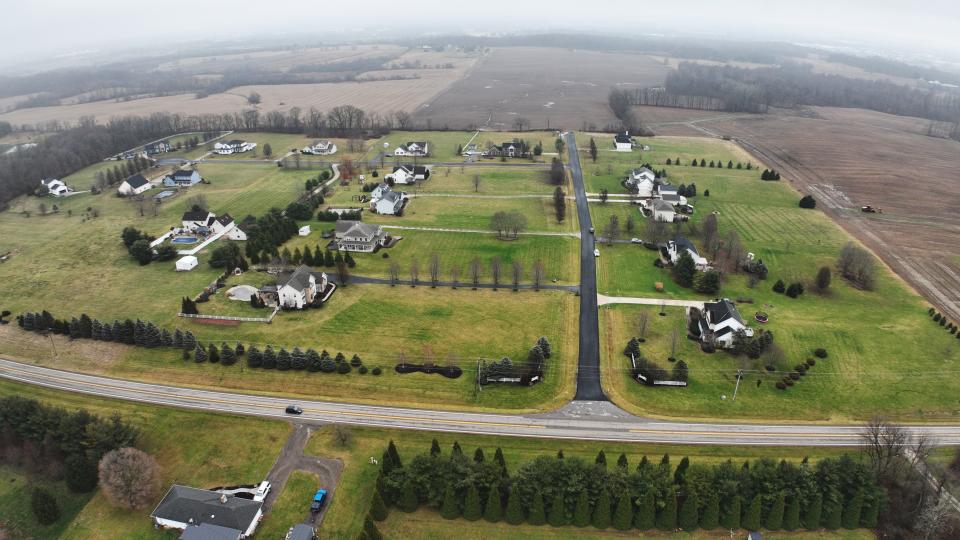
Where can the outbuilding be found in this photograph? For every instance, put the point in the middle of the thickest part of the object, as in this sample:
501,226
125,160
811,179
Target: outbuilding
185,264
305,230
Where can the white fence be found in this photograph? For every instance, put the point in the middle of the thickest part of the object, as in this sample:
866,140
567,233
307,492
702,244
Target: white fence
267,319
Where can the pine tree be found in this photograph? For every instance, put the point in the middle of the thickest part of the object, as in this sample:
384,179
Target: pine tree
74,327
834,511
456,451
199,354
689,519
623,515
283,360
774,520
298,360
478,455
751,519
871,511
537,514
514,508
499,460
852,511
239,350
254,357
646,517
791,519
269,358
493,512
472,511
667,518
166,338
434,448
45,508
731,518
189,341
378,510
394,456
213,353
370,529
558,511
711,513
96,330
581,512
560,453
679,475
814,513
601,511
450,508
601,459
408,498
227,356
622,461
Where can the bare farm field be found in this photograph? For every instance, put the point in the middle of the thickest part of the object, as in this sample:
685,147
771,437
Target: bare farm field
280,59
560,87
850,158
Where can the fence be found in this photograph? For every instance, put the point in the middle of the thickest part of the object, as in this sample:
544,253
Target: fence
267,320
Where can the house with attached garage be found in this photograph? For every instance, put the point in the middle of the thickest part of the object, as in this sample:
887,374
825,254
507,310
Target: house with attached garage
236,233
642,182
159,147
359,236
509,149
182,178
661,210
223,222
56,188
719,322
235,146
320,148
415,148
678,246
294,290
134,185
408,174
188,508
622,142
384,200
195,219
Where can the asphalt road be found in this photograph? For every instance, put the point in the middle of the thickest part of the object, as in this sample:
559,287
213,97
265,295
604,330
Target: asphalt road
581,420
588,364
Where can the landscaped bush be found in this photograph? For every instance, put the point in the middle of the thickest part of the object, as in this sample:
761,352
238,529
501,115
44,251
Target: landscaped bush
788,381
936,317
376,370
820,353
780,385
795,375
450,372
362,370
811,362
779,286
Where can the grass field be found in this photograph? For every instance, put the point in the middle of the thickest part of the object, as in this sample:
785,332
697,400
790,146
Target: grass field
16,515
873,337
291,507
444,144
195,449
377,322
493,181
343,520
280,144
475,213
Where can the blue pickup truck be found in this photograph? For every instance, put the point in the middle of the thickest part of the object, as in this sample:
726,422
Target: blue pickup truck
319,499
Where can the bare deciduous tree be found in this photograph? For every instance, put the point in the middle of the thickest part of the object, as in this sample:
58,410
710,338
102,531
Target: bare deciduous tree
455,275
434,269
612,230
519,123
539,271
394,273
129,477
655,231
709,231
475,272
476,182
402,119
857,265
642,320
342,435
495,268
517,271
414,273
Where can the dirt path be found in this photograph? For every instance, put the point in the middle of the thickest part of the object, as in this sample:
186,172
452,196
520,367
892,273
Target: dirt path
291,459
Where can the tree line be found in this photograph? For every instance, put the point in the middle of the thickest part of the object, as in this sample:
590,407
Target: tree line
475,272
526,373
834,493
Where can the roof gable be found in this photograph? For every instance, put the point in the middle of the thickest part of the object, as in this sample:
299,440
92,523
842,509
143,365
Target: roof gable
136,181
299,279
191,505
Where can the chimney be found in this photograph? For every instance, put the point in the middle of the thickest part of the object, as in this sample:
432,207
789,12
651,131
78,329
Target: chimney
223,498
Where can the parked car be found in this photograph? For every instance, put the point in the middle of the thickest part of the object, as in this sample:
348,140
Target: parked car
591,230
319,499
596,252
262,490
294,409
636,241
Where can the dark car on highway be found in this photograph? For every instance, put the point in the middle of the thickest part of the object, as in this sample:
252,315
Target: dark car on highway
294,409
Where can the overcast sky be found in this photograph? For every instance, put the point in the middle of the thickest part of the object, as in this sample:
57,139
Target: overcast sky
42,28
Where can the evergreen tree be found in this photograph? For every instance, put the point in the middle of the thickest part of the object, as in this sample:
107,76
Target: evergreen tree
731,518
751,519
667,518
544,346
472,510
189,341
711,513
434,448
622,461
227,356
852,512
601,459
679,475
298,360
166,338
493,512
408,498
456,451
254,357
684,270
623,515
239,350
834,511
581,512
74,328
79,473
646,517
791,519
774,520
478,455
814,513
283,360
313,360
499,460
514,508
689,519
537,514
269,358
199,354
370,529
45,508
450,508
378,510
213,353
560,453
558,511
601,511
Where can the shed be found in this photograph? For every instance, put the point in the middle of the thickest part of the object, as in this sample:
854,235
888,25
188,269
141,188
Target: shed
185,264
305,230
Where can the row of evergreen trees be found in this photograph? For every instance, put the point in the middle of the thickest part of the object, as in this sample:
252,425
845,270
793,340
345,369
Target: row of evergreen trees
712,164
139,333
534,366
267,232
769,175
560,491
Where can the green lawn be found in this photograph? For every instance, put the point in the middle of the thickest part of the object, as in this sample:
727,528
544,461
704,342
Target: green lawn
15,512
344,518
280,144
883,347
192,448
493,181
292,507
444,144
475,213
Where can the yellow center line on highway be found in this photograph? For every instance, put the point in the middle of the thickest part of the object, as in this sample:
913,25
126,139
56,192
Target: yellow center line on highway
162,394
746,434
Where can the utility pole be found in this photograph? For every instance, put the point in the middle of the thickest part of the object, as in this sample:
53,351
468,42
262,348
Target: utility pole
479,386
739,376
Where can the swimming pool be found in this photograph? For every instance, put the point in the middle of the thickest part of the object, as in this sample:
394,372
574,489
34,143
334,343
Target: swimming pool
184,240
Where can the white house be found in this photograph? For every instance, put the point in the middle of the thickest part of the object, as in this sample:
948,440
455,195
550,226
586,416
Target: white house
678,245
134,185
408,174
236,233
415,148
358,236
304,231
182,178
184,507
221,223
642,173
508,149
235,146
194,219
159,147
185,264
384,200
642,181
661,210
320,148
720,322
622,142
296,289
665,188
57,188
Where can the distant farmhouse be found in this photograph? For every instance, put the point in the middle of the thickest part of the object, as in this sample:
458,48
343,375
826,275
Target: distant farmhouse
134,185
56,188
508,149
358,236
295,290
408,174
191,509
320,148
182,178
719,323
623,142
416,148
159,147
235,146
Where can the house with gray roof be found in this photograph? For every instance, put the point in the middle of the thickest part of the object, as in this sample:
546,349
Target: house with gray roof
297,289
720,321
384,200
182,178
134,185
414,148
206,531
186,507
358,236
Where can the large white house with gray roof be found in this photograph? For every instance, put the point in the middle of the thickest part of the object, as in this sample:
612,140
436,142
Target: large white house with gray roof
358,236
720,322
186,507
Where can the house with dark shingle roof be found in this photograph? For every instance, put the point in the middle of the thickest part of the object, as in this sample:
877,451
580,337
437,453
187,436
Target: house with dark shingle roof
320,148
294,290
508,149
408,174
623,142
358,236
182,178
134,185
159,147
184,507
206,531
194,219
720,321
414,148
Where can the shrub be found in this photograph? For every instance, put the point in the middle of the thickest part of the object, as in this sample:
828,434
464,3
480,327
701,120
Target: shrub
936,317
343,368
794,375
811,362
800,368
362,370
808,202
376,371
781,386
779,286
44,506
386,255
931,311
788,381
820,353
